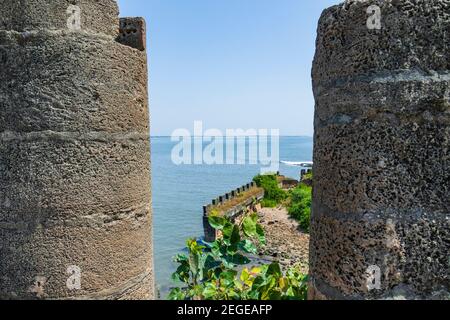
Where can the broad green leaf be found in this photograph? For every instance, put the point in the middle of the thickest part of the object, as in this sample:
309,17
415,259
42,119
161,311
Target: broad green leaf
249,227
232,249
265,293
217,222
248,247
227,262
238,285
182,273
211,263
290,292
209,292
283,283
228,231
181,258
256,271
274,270
194,247
258,282
232,294
254,295
240,259
235,236
261,234
245,275
229,275
176,294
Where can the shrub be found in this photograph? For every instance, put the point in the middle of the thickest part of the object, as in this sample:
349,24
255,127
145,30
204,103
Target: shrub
272,192
300,206
308,176
208,271
266,203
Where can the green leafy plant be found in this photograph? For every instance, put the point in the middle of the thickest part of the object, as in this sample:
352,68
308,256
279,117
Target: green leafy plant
308,176
273,194
300,205
208,272
269,283
266,203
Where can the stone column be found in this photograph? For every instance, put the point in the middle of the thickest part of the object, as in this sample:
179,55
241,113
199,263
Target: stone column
380,223
75,202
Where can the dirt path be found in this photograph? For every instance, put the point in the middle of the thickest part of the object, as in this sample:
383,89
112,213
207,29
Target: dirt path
285,242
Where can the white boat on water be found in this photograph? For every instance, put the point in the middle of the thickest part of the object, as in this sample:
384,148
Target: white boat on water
305,164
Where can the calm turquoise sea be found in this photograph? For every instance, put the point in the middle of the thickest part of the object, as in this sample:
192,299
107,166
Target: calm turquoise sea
179,193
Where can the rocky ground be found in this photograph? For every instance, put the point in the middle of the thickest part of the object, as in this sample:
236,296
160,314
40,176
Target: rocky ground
286,243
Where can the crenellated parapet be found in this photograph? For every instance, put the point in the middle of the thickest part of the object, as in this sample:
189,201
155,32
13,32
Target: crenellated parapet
233,205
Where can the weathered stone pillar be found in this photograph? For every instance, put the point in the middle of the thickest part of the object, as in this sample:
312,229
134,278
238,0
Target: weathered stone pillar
381,208
75,203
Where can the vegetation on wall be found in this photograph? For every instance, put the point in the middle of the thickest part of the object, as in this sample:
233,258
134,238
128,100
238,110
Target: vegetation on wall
209,271
308,176
273,194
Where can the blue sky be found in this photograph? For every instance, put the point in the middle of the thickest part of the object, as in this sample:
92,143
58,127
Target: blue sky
230,63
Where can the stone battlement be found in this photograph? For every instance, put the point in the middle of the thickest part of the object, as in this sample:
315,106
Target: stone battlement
233,205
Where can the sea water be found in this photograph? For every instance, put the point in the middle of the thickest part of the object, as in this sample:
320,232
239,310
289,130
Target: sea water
181,191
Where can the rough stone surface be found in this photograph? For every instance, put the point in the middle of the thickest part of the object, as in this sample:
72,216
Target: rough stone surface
97,16
74,156
382,162
132,33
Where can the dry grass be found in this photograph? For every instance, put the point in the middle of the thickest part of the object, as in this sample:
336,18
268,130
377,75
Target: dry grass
241,198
